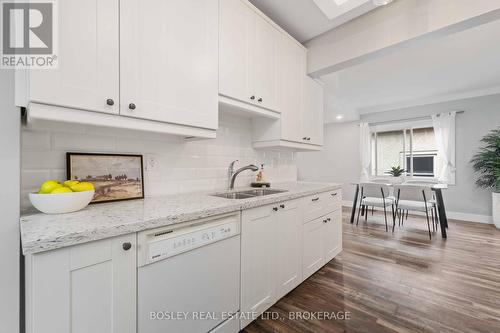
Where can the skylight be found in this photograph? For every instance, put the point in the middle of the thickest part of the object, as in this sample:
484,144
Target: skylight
335,8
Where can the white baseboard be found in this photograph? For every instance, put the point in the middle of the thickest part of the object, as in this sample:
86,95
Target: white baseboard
476,218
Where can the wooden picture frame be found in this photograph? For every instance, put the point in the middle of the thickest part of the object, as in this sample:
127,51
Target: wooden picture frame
116,177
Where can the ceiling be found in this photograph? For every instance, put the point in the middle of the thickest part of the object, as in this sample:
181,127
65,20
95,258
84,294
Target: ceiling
303,19
461,65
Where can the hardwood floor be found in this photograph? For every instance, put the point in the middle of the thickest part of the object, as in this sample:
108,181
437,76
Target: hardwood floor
401,282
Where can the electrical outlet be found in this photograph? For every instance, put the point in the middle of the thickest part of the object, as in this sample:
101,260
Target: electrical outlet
151,162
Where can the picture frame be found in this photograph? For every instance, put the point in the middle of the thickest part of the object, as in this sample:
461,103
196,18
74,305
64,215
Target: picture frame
116,177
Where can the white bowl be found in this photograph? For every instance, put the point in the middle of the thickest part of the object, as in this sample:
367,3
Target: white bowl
61,203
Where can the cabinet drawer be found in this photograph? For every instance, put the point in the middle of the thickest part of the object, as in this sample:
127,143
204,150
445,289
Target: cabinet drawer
314,207
332,201
321,204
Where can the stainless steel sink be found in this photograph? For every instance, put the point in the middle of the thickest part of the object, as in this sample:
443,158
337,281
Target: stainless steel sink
234,195
248,193
261,192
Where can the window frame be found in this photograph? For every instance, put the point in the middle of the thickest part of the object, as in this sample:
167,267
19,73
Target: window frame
404,127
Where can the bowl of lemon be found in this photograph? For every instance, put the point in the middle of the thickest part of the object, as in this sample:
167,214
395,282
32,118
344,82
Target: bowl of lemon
54,197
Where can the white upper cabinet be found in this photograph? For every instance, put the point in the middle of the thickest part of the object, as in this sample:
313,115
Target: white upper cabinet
312,112
265,74
291,74
237,26
248,56
169,61
87,77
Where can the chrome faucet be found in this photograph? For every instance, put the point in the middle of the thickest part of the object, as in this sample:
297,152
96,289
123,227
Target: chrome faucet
231,174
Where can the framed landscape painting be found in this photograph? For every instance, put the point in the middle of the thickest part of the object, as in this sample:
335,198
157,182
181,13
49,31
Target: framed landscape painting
114,176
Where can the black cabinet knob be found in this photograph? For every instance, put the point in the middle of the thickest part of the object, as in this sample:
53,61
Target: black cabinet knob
131,106
275,209
325,221
328,219
259,100
315,199
308,139
252,97
282,206
304,138
110,102
127,246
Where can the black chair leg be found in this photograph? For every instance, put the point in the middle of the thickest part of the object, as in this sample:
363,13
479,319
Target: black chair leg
366,213
373,209
359,212
433,224
407,214
393,218
437,216
428,224
385,216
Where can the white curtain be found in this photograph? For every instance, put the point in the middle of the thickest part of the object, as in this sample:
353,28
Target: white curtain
444,130
365,151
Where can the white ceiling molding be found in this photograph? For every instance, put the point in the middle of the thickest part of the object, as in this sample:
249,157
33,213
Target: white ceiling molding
431,100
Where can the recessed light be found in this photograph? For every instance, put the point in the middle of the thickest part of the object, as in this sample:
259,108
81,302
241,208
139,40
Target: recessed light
339,117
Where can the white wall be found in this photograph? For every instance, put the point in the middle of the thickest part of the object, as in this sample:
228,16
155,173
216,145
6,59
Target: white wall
9,205
339,161
179,166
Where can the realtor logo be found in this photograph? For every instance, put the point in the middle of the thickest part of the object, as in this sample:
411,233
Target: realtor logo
28,31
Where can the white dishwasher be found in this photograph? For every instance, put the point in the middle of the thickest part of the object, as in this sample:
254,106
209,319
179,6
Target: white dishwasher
189,277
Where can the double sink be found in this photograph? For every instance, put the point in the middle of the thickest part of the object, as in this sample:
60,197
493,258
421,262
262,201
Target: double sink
247,194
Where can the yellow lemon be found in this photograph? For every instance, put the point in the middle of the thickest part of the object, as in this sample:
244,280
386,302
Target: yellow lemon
69,183
82,187
48,186
62,189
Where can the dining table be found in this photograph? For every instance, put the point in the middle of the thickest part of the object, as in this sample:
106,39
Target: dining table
436,188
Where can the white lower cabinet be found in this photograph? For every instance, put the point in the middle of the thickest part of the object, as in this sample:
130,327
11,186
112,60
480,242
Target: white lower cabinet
322,242
288,247
332,235
313,257
257,261
280,248
83,288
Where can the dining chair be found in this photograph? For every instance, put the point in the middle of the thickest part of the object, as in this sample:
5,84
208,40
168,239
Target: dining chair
428,182
376,195
415,198
378,181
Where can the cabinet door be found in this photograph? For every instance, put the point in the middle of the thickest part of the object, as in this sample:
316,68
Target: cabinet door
266,64
312,112
291,69
169,61
288,248
88,72
332,235
313,248
257,260
237,26
83,288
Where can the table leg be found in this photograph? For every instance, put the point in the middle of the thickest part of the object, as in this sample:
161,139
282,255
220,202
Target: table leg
354,203
443,220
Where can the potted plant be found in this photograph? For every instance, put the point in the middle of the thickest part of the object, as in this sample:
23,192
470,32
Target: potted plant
486,164
396,172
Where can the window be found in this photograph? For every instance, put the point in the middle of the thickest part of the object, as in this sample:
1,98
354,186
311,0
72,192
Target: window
412,146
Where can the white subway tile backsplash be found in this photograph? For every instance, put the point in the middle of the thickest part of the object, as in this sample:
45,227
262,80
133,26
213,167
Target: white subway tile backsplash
172,164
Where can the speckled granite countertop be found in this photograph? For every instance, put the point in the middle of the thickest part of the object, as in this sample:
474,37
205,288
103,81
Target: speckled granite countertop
41,232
